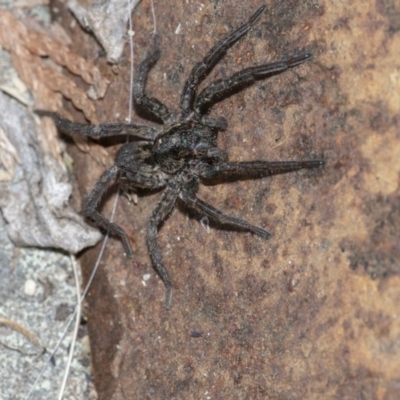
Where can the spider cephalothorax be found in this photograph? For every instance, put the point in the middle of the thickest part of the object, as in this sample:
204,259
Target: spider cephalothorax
184,151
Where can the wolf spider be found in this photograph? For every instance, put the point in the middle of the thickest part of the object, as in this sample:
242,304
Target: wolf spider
184,152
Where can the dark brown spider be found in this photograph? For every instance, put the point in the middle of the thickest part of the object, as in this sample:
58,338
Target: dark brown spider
177,156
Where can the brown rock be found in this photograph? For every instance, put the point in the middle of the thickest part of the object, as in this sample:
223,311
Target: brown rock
313,312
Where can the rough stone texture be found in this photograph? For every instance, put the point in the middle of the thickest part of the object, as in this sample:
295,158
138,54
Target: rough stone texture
37,295
313,312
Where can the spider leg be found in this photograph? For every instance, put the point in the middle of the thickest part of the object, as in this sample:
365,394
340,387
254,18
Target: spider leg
149,103
264,168
93,201
108,129
202,68
199,205
219,89
217,123
164,207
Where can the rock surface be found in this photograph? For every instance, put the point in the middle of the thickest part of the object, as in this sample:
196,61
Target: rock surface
313,312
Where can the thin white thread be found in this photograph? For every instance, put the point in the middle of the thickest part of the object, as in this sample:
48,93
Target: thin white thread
154,17
78,310
131,55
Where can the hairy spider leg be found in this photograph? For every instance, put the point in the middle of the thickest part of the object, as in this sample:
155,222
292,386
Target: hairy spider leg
218,89
160,213
202,68
92,202
191,200
239,169
107,129
218,123
150,103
